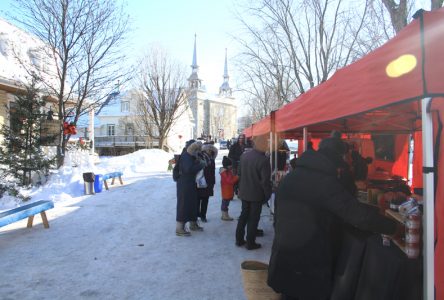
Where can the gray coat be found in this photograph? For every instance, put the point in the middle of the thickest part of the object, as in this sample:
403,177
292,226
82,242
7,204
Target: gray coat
255,172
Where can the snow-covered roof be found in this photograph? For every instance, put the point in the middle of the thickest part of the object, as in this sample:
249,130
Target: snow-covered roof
20,53
113,105
83,121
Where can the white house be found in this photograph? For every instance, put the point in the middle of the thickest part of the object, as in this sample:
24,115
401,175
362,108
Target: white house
210,116
117,130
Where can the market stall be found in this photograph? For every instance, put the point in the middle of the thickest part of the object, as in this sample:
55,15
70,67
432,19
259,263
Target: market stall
395,90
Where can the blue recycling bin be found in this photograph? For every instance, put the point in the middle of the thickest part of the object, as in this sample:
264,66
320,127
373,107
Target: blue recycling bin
98,183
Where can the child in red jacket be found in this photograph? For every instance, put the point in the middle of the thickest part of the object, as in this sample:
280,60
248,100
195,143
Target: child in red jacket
227,182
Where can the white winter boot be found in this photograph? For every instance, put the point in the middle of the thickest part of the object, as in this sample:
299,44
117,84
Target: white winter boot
180,229
195,227
226,216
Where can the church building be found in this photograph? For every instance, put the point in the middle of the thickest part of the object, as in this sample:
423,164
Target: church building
215,116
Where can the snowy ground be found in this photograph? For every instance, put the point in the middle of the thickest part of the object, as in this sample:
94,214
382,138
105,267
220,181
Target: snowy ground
121,243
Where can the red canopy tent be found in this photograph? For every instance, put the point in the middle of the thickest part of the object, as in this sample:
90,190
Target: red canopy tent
261,127
383,92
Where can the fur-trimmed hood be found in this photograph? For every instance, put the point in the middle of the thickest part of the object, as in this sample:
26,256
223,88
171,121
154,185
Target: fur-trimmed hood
194,148
210,150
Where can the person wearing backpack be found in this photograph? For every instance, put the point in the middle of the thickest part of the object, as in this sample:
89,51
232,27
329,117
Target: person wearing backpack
187,198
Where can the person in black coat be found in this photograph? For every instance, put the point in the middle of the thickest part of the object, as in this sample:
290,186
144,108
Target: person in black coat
236,151
254,190
189,165
209,153
282,154
308,201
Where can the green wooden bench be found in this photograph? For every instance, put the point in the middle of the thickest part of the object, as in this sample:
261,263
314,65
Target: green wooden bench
27,211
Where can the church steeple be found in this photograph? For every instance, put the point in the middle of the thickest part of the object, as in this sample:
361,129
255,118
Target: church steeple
194,80
225,89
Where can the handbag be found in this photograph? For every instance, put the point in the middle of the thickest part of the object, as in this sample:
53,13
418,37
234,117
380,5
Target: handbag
200,180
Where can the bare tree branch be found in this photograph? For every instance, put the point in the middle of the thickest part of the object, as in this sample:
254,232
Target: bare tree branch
163,97
84,39
293,45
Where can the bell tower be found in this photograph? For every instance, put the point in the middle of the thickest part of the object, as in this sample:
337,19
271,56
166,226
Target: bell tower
194,81
225,89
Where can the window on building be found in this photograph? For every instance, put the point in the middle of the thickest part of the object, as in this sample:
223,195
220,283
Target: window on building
125,106
111,129
129,129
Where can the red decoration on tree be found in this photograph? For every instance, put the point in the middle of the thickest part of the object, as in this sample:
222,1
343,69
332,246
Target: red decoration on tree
69,128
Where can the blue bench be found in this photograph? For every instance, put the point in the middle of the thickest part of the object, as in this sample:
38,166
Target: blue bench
112,176
27,211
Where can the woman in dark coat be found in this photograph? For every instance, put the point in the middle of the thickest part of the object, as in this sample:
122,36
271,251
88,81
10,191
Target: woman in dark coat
209,153
236,151
189,165
307,202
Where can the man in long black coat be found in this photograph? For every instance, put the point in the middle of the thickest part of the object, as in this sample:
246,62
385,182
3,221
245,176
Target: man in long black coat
307,202
254,190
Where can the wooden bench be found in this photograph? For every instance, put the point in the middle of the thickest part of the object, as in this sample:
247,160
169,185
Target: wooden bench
27,211
112,176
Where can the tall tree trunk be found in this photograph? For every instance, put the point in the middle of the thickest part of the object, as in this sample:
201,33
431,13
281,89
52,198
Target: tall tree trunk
398,13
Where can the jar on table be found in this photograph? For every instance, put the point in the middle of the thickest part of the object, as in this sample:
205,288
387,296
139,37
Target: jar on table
413,235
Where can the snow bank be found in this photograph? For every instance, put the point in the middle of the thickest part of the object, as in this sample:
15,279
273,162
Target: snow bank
66,183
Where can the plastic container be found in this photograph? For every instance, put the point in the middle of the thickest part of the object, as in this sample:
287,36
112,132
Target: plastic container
98,183
412,250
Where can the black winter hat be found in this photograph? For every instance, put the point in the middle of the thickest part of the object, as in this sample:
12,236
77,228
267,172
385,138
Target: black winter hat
334,144
334,148
226,162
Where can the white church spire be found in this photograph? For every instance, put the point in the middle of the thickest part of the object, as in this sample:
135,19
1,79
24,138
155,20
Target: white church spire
225,89
194,80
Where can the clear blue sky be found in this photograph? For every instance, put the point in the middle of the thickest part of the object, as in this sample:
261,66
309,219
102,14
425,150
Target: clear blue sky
173,23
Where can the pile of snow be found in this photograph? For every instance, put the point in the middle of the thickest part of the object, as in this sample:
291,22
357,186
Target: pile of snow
66,183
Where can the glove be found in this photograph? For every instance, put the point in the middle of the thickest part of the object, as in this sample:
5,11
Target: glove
203,163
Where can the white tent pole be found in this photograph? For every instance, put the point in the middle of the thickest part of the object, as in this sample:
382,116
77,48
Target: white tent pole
428,196
275,156
305,137
271,153
91,130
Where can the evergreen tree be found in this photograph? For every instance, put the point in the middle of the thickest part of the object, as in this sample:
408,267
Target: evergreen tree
21,154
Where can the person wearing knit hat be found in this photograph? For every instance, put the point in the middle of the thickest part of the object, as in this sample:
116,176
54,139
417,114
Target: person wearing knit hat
334,148
227,182
309,200
226,162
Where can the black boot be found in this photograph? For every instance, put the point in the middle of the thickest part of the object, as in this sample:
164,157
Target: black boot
240,243
252,246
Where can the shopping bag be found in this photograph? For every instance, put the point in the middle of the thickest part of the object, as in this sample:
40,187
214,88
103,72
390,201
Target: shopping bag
200,180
